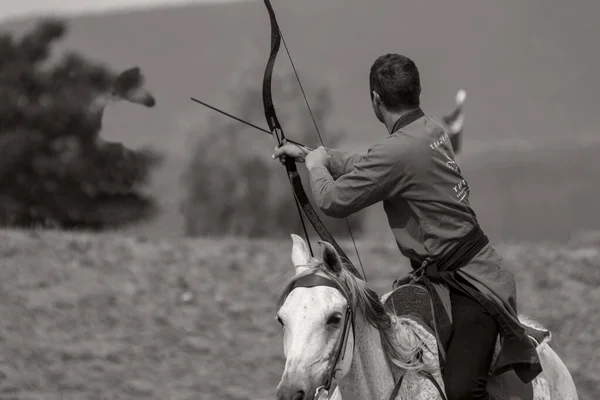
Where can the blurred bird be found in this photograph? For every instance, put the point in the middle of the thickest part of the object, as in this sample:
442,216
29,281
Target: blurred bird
128,86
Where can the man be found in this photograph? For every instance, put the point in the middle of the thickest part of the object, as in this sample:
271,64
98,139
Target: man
426,199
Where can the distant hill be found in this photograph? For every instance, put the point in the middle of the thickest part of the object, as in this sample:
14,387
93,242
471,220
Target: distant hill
527,67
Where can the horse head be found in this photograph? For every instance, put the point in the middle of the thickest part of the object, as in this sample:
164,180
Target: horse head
315,321
336,328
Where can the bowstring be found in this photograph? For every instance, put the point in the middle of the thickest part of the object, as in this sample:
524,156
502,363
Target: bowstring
320,139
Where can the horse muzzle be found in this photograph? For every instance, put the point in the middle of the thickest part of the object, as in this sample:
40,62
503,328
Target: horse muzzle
291,392
298,389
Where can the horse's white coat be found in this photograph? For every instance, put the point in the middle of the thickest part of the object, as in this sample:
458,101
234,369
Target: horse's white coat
556,379
366,373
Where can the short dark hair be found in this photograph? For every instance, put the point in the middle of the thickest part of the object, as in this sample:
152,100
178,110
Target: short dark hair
396,78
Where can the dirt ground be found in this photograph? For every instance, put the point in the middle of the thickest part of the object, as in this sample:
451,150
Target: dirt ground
116,317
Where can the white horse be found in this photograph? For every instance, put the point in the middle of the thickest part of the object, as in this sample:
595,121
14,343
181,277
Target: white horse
335,328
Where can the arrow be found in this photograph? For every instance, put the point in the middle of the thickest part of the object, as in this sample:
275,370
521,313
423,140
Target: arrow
246,122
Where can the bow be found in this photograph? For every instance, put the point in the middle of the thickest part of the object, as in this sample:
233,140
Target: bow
302,201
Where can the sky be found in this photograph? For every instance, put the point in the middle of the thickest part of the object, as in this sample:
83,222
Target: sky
20,8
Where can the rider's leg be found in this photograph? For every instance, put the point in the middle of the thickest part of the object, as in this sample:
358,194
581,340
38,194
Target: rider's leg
470,350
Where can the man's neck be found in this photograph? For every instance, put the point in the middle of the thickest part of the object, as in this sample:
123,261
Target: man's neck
390,118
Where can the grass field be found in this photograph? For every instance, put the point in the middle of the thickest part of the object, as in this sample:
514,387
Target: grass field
102,316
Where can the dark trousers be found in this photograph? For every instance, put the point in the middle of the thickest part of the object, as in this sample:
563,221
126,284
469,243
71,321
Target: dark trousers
470,350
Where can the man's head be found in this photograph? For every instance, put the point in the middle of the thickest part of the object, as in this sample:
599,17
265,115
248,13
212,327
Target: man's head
395,85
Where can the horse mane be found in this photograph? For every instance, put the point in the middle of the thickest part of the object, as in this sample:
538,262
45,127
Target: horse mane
401,344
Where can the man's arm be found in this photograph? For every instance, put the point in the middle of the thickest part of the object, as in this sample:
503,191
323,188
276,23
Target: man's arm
379,174
340,162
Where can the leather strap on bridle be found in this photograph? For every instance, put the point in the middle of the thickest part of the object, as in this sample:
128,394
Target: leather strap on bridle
341,351
313,280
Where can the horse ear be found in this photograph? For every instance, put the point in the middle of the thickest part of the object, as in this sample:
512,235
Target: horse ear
129,79
330,257
300,254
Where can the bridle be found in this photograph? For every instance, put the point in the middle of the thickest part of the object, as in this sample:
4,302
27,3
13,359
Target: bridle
312,280
341,351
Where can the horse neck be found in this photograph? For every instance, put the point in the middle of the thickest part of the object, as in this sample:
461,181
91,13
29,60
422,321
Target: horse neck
370,376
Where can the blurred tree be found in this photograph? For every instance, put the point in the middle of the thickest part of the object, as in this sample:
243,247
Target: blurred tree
232,185
55,170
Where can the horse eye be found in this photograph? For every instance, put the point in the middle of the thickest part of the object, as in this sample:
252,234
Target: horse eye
334,319
279,320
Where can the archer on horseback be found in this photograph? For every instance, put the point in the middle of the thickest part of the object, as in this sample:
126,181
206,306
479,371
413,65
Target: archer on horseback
426,200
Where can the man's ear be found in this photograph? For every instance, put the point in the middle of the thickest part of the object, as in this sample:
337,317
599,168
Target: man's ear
375,97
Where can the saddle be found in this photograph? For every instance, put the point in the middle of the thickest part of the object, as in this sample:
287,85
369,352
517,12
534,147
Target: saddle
412,299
